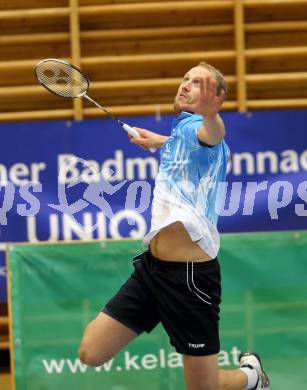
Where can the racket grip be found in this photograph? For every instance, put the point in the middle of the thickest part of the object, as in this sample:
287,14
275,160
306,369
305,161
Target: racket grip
130,130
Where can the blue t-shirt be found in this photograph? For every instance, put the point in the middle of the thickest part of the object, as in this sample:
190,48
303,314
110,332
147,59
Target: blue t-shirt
187,186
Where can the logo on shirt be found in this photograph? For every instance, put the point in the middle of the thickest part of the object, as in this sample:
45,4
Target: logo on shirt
195,346
167,151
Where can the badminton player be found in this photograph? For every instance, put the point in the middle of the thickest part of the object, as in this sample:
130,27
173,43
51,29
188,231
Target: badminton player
177,280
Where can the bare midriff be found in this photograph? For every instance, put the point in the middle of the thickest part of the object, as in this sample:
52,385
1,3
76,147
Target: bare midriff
173,243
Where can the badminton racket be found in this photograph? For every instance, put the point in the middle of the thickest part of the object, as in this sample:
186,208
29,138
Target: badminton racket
64,79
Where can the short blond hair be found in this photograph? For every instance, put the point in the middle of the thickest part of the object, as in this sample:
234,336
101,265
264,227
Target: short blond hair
221,83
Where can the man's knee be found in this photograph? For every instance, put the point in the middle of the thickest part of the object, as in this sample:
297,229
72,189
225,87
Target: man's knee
90,357
91,351
103,338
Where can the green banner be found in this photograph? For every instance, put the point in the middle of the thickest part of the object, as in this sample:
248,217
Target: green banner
56,289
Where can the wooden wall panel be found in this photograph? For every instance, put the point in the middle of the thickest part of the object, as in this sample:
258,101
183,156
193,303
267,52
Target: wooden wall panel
128,47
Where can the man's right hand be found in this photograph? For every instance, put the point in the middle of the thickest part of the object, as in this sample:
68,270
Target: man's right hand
148,139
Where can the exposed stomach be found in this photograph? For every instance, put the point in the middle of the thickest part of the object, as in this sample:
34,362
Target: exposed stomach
173,243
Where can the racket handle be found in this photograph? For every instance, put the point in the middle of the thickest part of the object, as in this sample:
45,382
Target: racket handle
130,130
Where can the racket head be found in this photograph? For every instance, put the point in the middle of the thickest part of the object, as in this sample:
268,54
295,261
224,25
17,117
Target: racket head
61,78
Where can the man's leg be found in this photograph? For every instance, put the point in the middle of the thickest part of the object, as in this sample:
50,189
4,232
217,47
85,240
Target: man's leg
102,339
126,315
202,373
232,380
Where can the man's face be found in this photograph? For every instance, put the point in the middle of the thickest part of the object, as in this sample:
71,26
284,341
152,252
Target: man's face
190,88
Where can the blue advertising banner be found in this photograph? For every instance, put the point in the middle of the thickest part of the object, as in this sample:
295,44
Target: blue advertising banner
63,180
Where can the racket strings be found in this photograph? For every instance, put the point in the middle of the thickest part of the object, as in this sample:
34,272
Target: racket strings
61,78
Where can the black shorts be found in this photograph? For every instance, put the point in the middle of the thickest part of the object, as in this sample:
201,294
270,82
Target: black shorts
184,296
